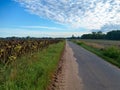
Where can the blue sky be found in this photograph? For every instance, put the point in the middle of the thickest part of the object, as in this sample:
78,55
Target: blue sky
57,18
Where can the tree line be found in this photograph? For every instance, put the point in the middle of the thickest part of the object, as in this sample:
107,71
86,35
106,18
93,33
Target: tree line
112,35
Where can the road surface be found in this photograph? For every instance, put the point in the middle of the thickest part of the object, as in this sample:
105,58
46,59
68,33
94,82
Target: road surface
96,74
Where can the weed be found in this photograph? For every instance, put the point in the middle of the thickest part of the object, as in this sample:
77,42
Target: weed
112,52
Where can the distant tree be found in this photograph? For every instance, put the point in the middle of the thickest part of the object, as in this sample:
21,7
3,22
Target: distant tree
28,37
113,35
94,35
99,32
73,37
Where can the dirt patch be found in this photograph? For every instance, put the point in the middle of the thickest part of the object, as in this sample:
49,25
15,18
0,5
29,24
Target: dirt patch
66,77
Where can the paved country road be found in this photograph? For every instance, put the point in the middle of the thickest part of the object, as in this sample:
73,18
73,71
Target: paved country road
96,74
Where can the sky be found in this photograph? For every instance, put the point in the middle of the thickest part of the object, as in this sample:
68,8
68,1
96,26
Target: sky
57,18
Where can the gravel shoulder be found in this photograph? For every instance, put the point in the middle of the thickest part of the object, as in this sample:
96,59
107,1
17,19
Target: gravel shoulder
72,80
67,77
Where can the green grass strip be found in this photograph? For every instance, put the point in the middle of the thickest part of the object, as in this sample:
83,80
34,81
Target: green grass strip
32,72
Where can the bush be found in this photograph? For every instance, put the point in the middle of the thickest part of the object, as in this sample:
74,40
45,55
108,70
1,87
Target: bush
112,52
118,59
80,43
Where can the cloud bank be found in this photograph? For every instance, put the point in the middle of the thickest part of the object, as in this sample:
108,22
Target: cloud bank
8,32
42,27
90,14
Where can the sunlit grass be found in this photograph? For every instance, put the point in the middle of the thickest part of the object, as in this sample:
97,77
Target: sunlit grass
33,71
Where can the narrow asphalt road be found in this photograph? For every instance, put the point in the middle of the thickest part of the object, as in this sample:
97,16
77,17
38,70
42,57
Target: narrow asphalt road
96,74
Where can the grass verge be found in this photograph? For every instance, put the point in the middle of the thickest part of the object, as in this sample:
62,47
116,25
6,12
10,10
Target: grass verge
101,53
33,71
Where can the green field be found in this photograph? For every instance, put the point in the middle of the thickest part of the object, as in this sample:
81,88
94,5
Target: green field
31,71
107,49
105,43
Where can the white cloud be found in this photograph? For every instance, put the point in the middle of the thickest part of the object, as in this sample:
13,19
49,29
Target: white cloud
90,14
8,32
42,27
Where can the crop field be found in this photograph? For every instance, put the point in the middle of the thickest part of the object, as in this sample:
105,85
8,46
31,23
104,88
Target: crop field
28,64
101,43
107,49
12,49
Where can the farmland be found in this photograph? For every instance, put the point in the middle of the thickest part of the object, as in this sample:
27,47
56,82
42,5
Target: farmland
103,43
107,49
11,49
28,64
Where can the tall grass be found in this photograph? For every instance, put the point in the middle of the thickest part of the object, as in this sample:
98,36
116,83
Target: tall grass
33,71
112,52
